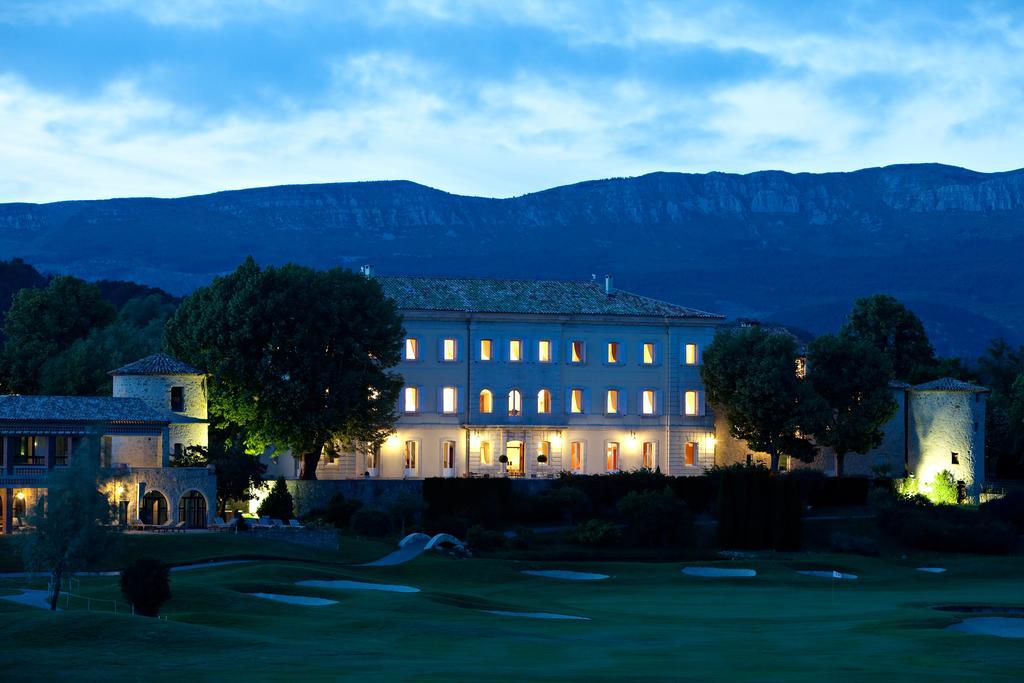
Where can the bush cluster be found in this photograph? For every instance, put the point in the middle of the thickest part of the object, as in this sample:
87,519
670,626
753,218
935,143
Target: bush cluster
758,510
1009,509
917,523
656,518
371,522
597,533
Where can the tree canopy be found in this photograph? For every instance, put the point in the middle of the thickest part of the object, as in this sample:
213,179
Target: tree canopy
750,374
297,357
70,532
42,323
238,472
892,328
852,378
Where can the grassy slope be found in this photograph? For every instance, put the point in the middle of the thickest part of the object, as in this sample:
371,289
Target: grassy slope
648,622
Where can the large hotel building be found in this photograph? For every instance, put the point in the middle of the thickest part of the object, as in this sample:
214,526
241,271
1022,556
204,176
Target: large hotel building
527,378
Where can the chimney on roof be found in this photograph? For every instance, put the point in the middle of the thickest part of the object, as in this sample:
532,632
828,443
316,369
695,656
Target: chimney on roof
366,270
608,289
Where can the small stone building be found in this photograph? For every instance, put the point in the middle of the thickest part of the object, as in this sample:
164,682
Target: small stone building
937,426
158,407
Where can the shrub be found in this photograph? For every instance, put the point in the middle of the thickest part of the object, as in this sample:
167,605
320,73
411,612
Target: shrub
758,510
596,532
943,491
486,502
559,504
146,584
404,510
919,524
906,487
279,503
480,538
339,510
1009,509
371,522
656,518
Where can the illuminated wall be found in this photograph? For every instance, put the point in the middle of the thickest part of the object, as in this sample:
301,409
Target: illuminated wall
943,423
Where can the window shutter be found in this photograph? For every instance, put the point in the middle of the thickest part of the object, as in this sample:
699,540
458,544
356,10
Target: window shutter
659,402
568,401
701,408
623,396
586,400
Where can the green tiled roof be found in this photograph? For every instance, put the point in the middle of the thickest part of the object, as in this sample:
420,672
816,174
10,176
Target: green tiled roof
554,297
157,364
78,409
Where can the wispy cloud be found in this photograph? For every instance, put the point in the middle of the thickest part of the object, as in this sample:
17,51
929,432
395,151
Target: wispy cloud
554,93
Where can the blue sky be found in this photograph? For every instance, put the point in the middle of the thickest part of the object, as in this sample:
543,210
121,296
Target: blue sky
104,98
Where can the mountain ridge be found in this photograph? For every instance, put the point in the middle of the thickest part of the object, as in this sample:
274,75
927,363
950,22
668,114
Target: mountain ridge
764,244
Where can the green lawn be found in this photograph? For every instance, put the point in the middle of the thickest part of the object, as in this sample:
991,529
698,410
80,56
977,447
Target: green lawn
649,622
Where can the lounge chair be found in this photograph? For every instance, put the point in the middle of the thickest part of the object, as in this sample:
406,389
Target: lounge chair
263,523
180,526
276,523
137,525
294,524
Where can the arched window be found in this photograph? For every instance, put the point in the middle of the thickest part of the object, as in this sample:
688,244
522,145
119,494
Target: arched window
515,403
192,510
543,401
154,509
486,401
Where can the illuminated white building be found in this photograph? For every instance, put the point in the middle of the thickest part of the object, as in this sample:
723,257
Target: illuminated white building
527,378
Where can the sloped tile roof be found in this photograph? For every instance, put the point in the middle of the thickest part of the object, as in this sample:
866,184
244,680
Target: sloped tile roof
78,409
157,364
554,297
950,384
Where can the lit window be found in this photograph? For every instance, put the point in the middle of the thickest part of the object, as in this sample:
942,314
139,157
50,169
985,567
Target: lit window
412,399
486,401
691,354
448,402
411,454
515,350
486,347
544,453
613,353
448,455
577,354
576,455
544,351
690,403
515,403
649,406
576,401
650,455
612,402
648,353
801,367
412,349
690,453
612,456
543,401
485,453
448,349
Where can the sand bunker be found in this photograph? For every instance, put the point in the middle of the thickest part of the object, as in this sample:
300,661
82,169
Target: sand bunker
827,574
565,574
1003,627
32,598
358,586
931,570
719,572
535,615
296,599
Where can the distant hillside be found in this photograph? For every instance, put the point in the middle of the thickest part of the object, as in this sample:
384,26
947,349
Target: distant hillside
795,248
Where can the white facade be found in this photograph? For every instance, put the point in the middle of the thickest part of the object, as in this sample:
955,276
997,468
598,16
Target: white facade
482,388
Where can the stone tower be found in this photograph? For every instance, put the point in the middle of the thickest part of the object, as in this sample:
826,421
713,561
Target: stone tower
174,388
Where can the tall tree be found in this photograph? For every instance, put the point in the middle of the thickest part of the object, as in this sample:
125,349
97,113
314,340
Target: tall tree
892,328
297,358
1001,368
70,521
750,374
42,323
852,378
